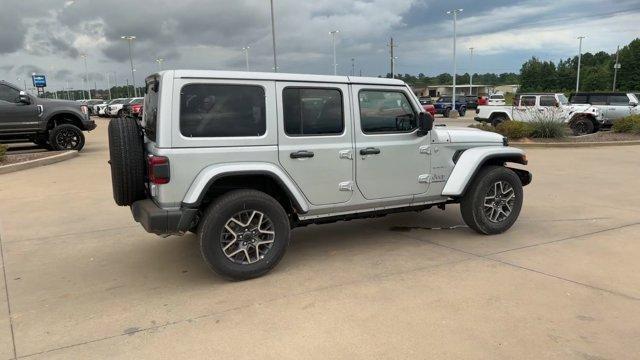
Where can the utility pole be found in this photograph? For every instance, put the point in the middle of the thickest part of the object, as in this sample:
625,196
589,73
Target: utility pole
68,95
616,66
579,61
455,12
333,44
471,71
130,39
273,37
128,91
246,56
392,58
353,67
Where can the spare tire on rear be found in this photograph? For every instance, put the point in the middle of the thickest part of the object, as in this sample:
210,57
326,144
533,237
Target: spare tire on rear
126,157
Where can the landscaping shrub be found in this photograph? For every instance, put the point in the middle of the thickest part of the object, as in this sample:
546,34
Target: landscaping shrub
3,152
483,126
547,129
629,124
514,129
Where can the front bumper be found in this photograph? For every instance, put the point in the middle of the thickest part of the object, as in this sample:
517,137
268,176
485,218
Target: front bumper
479,119
157,220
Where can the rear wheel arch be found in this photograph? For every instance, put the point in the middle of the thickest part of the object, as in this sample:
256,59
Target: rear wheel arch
263,181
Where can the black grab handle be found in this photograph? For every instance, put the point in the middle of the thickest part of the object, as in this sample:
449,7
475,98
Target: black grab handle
369,151
301,154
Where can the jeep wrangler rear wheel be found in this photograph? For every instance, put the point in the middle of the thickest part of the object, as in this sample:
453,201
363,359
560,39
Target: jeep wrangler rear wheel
582,126
493,200
244,234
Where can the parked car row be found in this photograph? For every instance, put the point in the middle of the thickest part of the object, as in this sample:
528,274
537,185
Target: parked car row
117,107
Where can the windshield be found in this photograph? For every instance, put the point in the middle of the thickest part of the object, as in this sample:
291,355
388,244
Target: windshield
562,99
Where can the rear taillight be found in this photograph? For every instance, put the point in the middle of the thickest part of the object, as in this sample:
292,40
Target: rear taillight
158,169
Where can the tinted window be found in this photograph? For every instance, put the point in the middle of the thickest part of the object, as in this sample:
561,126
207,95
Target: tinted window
579,99
618,100
386,111
150,108
135,101
547,100
9,94
496,97
445,99
528,101
312,111
598,99
211,110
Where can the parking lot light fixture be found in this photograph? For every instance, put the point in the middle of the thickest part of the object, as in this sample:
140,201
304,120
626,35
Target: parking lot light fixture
471,71
130,39
159,61
246,56
333,44
454,111
579,61
273,38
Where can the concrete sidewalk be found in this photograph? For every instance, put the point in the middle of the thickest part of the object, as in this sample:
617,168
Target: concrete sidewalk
83,280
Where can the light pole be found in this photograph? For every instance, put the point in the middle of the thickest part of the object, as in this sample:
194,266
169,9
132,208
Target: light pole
273,37
579,61
130,39
86,75
246,56
471,71
108,85
616,66
455,12
159,61
333,44
353,67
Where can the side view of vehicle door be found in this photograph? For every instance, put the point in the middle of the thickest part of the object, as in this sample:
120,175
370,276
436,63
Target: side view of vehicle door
16,116
315,145
391,159
619,106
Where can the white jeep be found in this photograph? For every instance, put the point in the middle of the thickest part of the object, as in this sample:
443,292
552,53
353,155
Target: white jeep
582,119
242,158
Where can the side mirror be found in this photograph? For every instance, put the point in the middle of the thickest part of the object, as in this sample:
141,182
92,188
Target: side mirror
24,98
425,123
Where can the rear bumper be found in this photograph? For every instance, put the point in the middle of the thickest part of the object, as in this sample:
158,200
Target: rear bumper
479,119
157,220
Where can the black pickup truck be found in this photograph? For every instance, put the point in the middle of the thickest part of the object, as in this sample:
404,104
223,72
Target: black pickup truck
55,124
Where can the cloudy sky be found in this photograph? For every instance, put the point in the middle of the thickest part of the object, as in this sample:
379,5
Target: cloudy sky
48,36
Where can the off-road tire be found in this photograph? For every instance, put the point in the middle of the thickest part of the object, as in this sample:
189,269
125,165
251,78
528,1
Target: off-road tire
463,111
473,201
119,114
59,138
497,120
213,222
446,113
582,125
126,157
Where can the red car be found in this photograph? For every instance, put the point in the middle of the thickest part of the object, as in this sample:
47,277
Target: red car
482,100
427,105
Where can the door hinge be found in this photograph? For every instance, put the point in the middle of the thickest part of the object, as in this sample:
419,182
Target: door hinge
346,186
424,178
346,154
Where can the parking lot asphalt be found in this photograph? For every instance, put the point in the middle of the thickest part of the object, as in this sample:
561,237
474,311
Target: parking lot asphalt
83,280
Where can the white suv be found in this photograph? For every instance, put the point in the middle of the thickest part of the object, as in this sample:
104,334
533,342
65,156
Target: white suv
242,158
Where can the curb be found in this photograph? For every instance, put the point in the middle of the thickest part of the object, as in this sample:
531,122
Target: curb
575,144
38,162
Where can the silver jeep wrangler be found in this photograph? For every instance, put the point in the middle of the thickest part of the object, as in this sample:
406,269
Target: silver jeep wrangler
241,158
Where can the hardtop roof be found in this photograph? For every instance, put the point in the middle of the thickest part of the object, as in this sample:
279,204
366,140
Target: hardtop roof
250,75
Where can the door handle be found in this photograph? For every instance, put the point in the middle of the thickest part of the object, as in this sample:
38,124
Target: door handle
369,151
301,154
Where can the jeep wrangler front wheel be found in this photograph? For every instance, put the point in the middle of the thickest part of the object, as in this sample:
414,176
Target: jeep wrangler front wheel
493,200
244,234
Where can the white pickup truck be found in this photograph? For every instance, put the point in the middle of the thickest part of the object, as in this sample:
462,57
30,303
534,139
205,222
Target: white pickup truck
582,119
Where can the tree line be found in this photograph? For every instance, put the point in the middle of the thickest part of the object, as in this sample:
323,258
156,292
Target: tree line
596,73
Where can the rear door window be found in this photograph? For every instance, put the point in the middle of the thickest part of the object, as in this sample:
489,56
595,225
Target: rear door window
598,99
579,99
215,110
312,111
